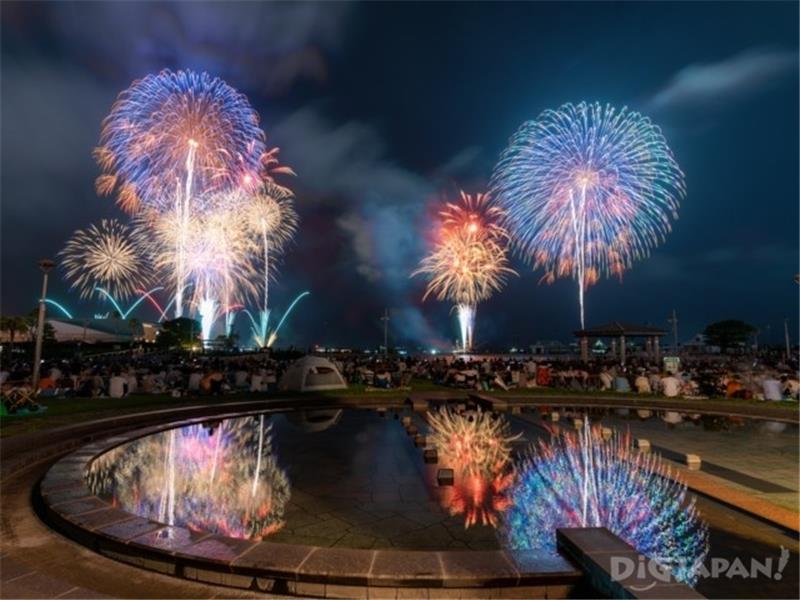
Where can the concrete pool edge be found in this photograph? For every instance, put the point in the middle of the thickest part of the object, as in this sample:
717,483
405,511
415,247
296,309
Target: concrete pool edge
68,505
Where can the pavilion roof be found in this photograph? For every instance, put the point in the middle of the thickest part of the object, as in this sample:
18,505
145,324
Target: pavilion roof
617,328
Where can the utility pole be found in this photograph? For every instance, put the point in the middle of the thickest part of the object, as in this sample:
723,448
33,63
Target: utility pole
385,319
45,265
674,322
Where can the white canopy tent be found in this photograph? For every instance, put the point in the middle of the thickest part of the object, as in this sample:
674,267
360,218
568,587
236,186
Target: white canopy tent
312,374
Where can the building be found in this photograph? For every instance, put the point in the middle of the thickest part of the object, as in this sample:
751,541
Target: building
108,331
622,333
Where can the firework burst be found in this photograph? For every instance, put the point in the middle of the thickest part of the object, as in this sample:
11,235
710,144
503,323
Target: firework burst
582,480
475,216
468,262
587,191
272,219
110,255
182,127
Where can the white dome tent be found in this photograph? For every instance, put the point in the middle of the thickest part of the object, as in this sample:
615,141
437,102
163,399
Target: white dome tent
312,374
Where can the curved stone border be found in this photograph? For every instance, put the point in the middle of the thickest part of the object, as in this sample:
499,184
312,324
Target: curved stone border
68,504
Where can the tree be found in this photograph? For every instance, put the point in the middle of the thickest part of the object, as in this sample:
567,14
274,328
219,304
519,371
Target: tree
178,332
13,325
728,334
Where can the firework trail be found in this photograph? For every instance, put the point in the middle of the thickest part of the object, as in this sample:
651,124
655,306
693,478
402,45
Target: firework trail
468,262
145,295
110,255
587,191
274,335
272,218
216,251
582,480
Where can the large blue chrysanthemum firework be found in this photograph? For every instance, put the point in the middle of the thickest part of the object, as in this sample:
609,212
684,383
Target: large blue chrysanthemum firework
178,132
587,190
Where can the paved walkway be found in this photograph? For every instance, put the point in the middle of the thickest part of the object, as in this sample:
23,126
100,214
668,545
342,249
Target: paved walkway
750,457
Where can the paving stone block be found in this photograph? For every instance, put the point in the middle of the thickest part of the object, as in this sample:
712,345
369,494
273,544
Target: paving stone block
309,589
396,567
217,577
445,477
273,558
333,590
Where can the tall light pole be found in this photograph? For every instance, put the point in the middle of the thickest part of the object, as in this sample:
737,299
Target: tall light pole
674,322
385,319
45,265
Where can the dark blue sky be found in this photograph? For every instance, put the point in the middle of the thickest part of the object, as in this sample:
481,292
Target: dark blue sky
383,107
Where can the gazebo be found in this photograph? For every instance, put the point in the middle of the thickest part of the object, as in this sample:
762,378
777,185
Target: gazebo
616,330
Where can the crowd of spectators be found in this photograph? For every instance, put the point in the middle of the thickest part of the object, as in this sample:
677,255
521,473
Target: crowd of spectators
181,374
695,378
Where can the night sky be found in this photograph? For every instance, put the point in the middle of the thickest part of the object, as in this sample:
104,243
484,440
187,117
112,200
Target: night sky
383,109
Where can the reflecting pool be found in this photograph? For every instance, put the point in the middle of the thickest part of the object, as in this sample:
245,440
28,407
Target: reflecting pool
356,478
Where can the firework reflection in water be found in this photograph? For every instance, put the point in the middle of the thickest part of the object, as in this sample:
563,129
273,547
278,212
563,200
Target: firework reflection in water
223,479
582,480
477,446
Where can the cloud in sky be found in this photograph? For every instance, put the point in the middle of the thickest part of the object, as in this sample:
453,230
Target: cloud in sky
264,46
735,76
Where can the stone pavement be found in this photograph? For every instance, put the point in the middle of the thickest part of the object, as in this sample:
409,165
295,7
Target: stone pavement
752,457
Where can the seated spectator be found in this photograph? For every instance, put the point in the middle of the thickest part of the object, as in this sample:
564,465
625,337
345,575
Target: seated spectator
606,380
500,383
211,383
257,381
642,384
791,387
732,388
195,377
151,383
117,385
383,380
671,386
240,379
133,384
543,375
655,381
621,384
772,388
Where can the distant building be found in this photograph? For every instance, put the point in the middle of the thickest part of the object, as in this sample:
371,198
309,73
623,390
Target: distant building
94,331
549,347
699,345
624,334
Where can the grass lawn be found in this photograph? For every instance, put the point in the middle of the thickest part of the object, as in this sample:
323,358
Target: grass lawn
66,411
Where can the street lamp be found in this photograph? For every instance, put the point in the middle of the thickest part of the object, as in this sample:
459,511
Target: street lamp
45,265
